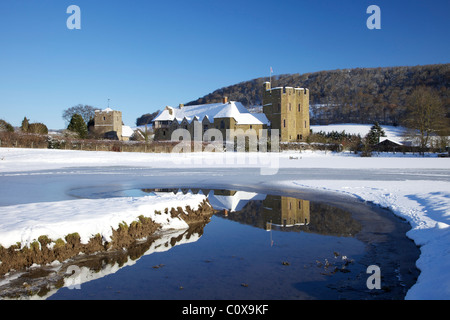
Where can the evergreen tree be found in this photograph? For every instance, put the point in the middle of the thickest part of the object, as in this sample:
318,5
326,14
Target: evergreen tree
25,125
375,133
78,125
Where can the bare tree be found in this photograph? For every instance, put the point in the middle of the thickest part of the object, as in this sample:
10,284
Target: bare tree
85,111
425,115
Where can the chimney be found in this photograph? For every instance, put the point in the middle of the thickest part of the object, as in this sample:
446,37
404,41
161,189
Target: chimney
181,105
225,100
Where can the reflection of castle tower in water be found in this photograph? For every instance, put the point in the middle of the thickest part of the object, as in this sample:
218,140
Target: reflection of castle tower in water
286,211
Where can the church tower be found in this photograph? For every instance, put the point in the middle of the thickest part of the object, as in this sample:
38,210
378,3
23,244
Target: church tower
108,123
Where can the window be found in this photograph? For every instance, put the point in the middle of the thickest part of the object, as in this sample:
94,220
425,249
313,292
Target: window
305,123
299,108
299,204
222,124
251,127
289,106
284,123
104,118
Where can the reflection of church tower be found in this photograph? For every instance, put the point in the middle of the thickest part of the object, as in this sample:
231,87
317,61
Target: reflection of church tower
286,211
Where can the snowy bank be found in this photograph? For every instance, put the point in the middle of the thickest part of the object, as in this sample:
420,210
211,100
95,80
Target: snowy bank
26,222
42,290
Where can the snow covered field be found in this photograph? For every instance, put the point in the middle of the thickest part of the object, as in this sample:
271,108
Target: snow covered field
415,188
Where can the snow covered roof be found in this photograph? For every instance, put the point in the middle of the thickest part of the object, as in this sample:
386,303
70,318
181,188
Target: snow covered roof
262,117
211,111
382,139
105,110
127,131
235,202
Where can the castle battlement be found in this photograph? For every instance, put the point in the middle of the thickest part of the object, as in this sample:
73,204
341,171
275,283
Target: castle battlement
284,90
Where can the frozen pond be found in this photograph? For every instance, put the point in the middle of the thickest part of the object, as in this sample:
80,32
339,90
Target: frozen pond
272,245
414,188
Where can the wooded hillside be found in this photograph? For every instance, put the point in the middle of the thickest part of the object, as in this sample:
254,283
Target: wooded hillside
361,95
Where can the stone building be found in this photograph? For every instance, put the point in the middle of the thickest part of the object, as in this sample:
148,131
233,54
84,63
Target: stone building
284,108
108,124
222,116
287,109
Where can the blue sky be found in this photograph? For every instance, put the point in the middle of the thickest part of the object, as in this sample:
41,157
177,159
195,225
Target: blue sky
144,55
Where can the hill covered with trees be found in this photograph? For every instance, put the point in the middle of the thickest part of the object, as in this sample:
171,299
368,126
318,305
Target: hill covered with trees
361,95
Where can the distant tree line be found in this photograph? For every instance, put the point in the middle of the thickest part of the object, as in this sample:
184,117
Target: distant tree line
361,95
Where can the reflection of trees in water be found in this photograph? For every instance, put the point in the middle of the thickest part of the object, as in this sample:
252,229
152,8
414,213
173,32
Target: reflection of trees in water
251,214
330,220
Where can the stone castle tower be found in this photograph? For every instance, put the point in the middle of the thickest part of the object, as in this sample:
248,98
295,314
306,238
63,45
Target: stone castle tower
287,109
108,123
